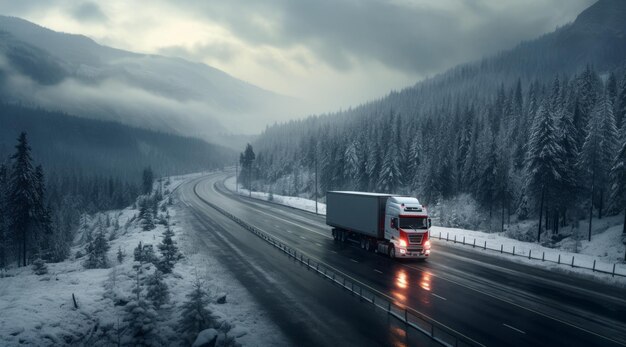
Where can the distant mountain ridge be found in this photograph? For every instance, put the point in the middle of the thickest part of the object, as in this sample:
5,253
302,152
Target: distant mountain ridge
74,74
67,145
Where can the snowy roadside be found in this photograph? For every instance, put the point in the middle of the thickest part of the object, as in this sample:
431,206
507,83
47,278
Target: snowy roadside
39,309
291,201
605,249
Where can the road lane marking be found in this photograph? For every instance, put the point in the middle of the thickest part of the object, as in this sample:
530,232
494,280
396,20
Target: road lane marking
334,251
376,270
319,244
514,328
438,296
289,231
353,260
302,237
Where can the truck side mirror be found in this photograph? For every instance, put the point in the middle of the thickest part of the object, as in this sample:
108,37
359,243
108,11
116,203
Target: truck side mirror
430,223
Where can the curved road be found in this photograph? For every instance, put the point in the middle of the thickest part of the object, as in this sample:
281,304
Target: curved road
487,299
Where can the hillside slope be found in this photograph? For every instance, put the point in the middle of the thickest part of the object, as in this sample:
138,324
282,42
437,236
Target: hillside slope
68,144
74,74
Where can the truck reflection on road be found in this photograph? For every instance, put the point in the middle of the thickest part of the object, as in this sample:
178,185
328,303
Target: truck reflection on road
425,281
402,280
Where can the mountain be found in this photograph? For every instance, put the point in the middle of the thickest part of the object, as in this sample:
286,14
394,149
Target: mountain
74,74
66,145
482,136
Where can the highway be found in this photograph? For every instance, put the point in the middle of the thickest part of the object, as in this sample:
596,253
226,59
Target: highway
491,301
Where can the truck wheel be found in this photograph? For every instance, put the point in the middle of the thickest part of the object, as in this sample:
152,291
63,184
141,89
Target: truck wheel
363,241
368,245
392,252
342,236
335,237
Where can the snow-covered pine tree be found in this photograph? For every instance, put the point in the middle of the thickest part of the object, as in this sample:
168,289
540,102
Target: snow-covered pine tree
618,180
4,232
39,267
147,181
22,201
120,255
543,161
620,105
487,178
608,147
568,184
97,250
146,216
169,251
157,291
141,319
389,178
195,315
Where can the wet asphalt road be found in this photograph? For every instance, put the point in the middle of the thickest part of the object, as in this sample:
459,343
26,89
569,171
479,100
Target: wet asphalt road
487,299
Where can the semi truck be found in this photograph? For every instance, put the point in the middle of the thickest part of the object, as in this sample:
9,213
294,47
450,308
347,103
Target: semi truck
397,226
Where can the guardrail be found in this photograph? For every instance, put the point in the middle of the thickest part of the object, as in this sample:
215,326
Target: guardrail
412,318
560,260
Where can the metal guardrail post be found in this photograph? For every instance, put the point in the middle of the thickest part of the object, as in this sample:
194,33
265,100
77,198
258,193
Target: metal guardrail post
613,275
594,266
529,253
559,261
572,261
501,248
513,250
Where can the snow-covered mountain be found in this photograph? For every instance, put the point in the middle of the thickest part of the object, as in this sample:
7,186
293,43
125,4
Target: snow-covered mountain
73,73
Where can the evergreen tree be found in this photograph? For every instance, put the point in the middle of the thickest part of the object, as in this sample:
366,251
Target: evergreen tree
389,178
120,255
246,159
620,105
543,161
195,315
23,200
39,267
147,180
618,180
4,233
146,215
97,250
141,319
169,251
157,291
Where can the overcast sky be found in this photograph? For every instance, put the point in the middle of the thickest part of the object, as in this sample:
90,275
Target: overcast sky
331,53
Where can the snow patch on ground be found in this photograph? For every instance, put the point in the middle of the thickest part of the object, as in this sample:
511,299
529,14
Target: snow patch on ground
39,310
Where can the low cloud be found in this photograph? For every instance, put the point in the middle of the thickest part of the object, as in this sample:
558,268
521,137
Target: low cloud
88,12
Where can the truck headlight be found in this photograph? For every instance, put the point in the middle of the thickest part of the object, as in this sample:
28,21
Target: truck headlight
402,243
427,244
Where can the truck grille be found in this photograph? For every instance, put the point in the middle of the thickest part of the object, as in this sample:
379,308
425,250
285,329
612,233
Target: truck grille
415,238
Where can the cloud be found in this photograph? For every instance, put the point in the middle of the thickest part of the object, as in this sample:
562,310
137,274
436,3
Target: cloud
88,12
200,51
415,36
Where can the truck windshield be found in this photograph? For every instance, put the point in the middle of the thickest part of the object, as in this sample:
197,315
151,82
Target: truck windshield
413,223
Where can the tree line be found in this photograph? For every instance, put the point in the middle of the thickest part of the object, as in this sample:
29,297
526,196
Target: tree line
39,216
550,150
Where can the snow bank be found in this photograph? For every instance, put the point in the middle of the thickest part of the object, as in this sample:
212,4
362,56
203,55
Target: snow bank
605,249
291,201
